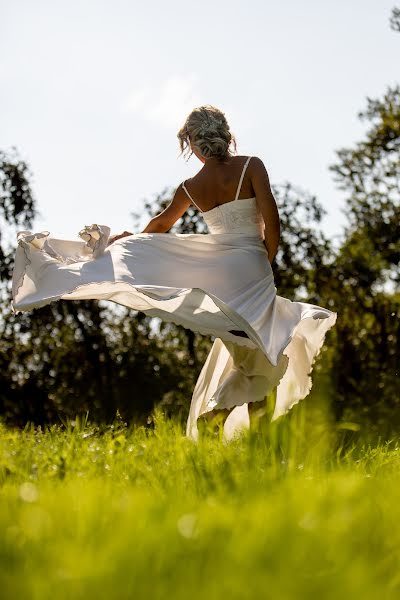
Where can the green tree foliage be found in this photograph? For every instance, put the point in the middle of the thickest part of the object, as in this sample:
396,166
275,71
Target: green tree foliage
304,255
16,204
365,276
395,19
69,357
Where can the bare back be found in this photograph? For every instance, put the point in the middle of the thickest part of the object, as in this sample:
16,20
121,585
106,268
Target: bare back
217,183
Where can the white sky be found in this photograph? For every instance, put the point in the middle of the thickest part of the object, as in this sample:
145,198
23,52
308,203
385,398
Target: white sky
93,93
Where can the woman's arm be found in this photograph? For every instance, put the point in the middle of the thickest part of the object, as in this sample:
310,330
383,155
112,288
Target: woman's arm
267,204
169,216
163,222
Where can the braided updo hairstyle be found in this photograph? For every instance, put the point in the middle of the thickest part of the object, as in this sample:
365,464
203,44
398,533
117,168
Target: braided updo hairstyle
207,129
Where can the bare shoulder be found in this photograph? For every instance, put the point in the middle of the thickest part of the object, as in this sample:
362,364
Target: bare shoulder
256,167
258,174
262,188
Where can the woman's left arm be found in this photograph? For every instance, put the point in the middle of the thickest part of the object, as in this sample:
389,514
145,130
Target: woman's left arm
167,218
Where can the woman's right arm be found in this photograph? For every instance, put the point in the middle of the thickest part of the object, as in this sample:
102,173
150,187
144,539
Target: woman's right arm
162,222
267,204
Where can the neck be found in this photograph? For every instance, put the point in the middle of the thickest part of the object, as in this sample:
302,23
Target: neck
215,160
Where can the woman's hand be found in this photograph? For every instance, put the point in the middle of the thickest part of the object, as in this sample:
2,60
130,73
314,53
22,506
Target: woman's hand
114,238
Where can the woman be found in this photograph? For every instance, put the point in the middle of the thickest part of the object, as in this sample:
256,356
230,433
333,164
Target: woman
219,284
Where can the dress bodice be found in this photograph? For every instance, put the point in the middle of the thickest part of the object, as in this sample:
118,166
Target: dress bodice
237,216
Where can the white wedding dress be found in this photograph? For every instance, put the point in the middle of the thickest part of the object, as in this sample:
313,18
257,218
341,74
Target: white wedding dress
220,284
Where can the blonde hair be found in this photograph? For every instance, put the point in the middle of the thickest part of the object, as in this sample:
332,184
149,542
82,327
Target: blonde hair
207,129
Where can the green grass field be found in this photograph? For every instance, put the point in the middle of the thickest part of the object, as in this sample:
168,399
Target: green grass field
284,511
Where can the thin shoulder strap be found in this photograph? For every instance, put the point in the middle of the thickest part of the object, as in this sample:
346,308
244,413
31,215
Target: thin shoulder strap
184,187
241,177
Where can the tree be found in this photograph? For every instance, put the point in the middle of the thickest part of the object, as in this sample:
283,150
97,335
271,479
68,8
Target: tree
365,276
17,205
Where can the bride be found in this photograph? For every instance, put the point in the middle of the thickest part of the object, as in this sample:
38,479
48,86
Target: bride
219,284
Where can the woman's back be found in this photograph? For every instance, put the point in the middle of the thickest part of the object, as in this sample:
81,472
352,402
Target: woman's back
235,214
218,183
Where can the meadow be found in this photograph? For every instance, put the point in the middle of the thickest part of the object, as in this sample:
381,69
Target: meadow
299,508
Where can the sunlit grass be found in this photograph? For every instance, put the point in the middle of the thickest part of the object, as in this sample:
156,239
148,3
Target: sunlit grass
287,510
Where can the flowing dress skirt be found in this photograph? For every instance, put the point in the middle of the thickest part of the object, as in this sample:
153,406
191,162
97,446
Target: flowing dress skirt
220,285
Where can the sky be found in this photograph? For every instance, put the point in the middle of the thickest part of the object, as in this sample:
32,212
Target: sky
93,93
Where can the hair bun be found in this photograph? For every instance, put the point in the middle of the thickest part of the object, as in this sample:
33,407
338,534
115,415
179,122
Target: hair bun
207,129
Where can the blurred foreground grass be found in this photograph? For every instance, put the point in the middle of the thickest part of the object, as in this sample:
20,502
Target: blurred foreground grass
287,510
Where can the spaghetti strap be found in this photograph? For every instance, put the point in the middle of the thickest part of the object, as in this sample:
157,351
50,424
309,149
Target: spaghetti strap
184,187
241,177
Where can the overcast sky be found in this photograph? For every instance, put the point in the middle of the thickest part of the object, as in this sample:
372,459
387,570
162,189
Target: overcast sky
93,93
